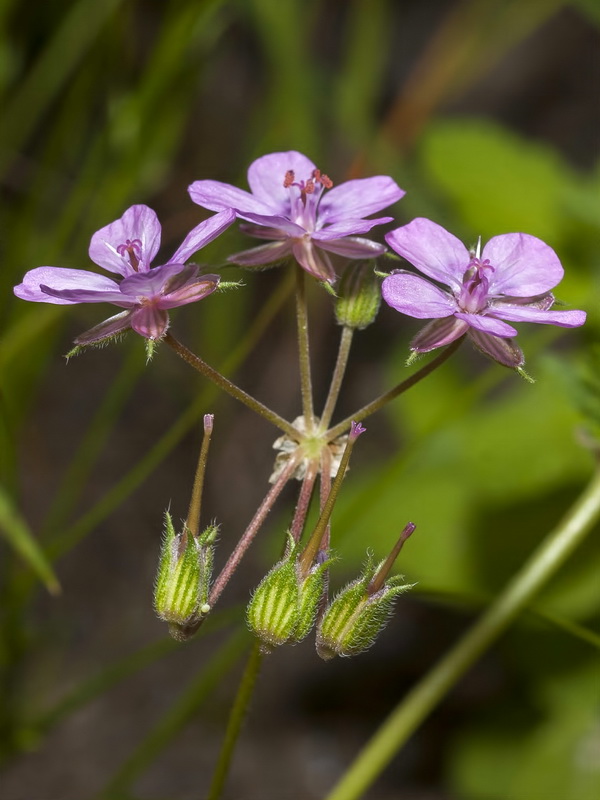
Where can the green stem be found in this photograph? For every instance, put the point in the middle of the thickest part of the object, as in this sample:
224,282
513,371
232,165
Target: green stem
338,376
304,350
385,398
236,719
314,543
193,518
224,383
410,713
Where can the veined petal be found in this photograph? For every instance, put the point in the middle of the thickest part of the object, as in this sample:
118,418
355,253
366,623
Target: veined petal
314,261
218,196
139,223
281,223
267,174
60,279
523,265
190,292
262,232
488,324
150,321
348,227
202,234
110,327
150,284
566,318
432,250
358,198
263,254
438,333
352,247
413,295
504,351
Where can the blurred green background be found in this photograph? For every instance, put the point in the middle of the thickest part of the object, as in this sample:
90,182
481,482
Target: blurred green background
486,113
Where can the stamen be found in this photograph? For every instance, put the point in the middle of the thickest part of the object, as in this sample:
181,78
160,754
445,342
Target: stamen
323,179
289,179
133,249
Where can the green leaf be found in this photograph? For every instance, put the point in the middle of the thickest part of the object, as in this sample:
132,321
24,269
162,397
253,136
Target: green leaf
16,530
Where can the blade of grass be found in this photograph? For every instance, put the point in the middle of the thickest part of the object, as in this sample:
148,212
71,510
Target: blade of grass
18,534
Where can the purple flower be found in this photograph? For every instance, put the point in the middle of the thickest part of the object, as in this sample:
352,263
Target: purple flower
127,247
289,205
510,280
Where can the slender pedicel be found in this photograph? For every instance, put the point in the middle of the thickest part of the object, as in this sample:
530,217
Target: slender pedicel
385,398
193,518
312,548
224,383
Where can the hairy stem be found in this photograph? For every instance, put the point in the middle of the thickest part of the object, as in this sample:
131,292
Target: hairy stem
385,398
410,713
224,383
337,377
304,350
235,722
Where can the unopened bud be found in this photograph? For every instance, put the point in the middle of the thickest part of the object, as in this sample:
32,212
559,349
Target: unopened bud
355,617
359,296
284,606
274,609
184,572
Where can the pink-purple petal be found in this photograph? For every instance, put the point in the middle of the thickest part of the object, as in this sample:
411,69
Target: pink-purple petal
504,351
150,321
353,247
89,296
263,254
348,227
488,324
262,232
217,196
432,250
412,295
565,318
438,333
61,278
314,261
110,327
523,265
202,234
150,284
190,293
358,198
283,224
267,174
137,223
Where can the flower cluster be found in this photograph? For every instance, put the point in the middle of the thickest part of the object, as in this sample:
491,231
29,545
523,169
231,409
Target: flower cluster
301,214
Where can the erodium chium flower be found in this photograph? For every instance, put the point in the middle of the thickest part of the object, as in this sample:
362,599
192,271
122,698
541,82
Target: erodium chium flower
508,281
127,247
297,208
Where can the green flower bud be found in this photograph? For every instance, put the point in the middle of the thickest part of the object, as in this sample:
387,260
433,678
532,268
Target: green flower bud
284,606
274,609
184,572
359,296
356,616
310,591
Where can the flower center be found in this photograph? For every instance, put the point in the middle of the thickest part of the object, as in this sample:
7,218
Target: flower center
132,249
305,196
473,295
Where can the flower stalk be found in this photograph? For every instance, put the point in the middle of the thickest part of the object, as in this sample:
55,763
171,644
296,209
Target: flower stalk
228,386
304,351
390,395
